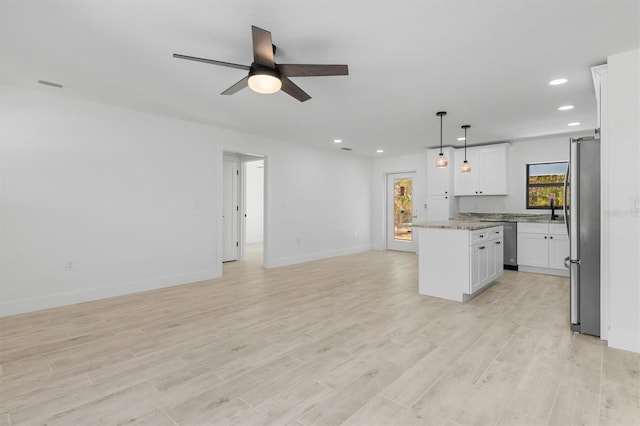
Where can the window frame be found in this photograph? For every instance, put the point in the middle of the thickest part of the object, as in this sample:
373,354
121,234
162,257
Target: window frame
528,185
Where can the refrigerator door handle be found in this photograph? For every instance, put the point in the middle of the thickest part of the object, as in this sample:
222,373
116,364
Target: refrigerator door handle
574,201
567,263
565,205
574,292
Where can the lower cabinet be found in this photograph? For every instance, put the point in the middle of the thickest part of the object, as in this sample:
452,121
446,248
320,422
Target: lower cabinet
543,246
456,263
486,262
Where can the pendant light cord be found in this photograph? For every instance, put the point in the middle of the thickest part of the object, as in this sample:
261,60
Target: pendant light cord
440,134
465,144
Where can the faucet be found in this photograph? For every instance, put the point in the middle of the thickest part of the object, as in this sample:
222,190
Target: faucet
554,216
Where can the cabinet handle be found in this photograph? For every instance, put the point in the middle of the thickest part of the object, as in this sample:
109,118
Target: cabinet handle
476,192
481,236
481,192
551,238
498,242
482,248
446,198
446,192
497,232
545,237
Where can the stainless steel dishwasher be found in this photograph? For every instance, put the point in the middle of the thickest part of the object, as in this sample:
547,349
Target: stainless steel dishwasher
510,245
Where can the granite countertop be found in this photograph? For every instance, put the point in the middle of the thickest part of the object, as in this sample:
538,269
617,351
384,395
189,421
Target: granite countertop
468,225
510,217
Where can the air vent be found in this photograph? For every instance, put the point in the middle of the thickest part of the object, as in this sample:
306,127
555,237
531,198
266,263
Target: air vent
346,149
49,83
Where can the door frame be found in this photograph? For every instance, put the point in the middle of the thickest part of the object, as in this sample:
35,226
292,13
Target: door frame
242,158
388,216
237,195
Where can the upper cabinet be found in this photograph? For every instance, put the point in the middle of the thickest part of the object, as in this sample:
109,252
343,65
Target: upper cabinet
439,181
488,174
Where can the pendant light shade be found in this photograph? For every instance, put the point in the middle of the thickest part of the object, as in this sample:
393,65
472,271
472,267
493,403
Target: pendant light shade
441,160
465,167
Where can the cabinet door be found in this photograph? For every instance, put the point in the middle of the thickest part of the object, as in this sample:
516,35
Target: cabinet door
533,250
493,175
558,250
465,183
438,180
474,264
480,257
496,258
437,207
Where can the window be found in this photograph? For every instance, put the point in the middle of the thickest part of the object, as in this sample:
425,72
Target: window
544,182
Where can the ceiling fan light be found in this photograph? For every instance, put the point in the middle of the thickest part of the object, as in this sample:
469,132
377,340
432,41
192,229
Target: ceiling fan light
265,83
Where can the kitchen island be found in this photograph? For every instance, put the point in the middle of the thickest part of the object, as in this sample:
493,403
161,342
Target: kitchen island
458,259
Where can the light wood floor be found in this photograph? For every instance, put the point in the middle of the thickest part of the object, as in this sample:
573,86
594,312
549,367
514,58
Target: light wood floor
339,341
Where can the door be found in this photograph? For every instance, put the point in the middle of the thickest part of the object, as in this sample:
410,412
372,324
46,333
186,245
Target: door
400,214
231,210
466,183
437,207
533,250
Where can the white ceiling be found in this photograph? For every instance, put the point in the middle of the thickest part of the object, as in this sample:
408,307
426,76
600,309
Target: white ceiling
486,63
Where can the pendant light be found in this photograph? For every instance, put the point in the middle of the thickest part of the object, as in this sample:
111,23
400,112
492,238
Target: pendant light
441,161
466,167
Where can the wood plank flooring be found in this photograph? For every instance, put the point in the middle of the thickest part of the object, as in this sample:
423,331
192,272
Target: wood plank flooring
339,341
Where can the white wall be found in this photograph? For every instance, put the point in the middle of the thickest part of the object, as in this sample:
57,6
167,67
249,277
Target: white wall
133,200
623,139
318,203
254,207
520,154
383,166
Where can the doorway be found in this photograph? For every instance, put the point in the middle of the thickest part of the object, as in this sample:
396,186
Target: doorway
243,193
400,212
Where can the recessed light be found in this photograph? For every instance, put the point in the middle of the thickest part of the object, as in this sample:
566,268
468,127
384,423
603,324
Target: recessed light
337,141
565,107
461,139
575,123
379,151
558,81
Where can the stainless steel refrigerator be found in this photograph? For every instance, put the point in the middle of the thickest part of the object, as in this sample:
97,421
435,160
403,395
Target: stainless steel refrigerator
582,216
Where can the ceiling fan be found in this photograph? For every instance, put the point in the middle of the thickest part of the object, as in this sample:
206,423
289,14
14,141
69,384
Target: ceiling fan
265,76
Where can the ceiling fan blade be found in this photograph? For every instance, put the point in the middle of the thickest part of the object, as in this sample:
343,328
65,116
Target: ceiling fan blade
308,70
236,87
262,47
211,61
290,88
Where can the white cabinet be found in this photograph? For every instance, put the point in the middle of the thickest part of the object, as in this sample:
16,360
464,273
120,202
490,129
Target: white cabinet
558,246
456,264
438,207
542,248
486,257
489,167
441,205
439,181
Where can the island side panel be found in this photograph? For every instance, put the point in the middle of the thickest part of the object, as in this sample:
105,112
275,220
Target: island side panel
443,269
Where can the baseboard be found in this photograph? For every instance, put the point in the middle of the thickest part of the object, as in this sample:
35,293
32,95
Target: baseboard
48,301
316,256
624,339
546,271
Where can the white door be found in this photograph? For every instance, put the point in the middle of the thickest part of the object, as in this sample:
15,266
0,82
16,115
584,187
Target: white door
231,210
400,212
